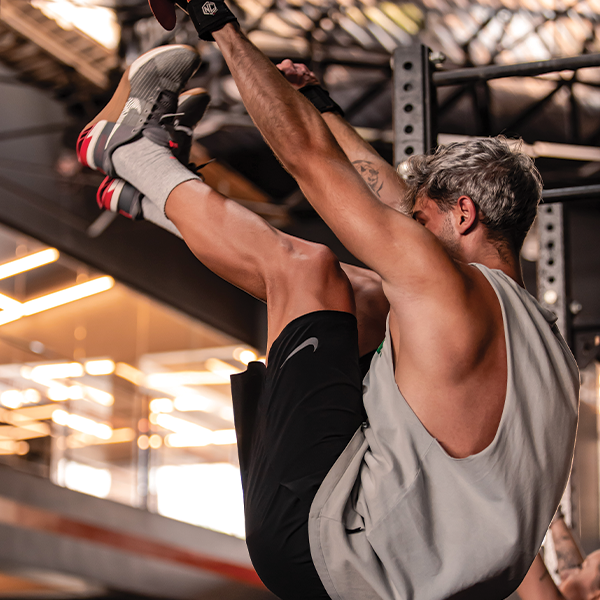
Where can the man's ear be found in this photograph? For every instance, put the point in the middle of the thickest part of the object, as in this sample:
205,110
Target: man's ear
466,213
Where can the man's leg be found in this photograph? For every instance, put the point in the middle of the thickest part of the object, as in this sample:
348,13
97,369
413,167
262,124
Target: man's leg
308,401
295,417
293,276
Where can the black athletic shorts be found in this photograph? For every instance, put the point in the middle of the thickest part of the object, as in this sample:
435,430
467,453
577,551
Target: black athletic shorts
293,420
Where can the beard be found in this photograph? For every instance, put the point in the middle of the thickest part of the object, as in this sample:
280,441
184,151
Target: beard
449,238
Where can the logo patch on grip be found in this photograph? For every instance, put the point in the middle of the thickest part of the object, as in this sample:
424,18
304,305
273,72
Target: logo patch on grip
209,8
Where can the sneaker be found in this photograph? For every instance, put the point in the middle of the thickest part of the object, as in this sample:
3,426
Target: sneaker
191,106
146,95
121,197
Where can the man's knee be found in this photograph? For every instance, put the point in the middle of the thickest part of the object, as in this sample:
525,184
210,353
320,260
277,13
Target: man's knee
311,267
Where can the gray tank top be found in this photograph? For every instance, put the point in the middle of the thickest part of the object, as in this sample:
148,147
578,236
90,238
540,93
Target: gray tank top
397,518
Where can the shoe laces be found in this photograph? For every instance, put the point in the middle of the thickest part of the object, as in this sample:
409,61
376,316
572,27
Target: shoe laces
163,107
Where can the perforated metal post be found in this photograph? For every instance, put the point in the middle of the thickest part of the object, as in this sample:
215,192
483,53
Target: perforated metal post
414,103
552,289
551,278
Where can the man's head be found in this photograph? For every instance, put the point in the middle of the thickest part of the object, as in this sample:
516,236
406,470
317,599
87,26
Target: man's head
583,583
503,185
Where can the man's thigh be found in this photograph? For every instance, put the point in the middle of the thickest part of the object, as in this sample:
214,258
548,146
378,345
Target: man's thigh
292,428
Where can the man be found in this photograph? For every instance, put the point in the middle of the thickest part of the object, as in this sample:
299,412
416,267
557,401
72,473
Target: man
440,490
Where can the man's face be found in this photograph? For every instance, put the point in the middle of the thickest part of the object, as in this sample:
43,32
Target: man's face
441,224
584,583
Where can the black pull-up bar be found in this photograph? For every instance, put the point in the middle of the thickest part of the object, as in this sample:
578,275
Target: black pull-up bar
474,74
580,192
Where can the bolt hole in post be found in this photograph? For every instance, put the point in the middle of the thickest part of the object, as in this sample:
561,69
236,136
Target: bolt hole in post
408,108
408,129
409,150
408,87
549,227
407,66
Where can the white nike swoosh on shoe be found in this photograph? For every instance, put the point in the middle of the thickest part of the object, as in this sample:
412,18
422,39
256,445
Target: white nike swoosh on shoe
313,341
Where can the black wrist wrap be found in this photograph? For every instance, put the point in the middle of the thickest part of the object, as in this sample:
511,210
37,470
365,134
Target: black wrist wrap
208,16
321,99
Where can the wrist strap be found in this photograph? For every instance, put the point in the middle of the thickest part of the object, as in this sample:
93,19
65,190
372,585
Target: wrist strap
321,99
208,16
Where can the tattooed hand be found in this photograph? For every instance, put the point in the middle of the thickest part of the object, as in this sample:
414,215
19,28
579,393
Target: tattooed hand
369,173
298,74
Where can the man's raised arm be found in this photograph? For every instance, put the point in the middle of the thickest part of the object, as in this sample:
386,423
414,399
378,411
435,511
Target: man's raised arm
376,234
381,177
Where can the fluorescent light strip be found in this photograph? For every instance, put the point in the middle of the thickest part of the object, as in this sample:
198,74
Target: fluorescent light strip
82,424
28,262
76,292
222,437
7,303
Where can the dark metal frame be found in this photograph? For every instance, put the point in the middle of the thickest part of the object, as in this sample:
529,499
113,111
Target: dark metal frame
552,272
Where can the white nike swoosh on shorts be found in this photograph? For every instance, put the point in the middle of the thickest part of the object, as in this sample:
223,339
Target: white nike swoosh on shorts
313,341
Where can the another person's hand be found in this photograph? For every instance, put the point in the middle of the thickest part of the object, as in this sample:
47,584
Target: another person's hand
583,583
297,74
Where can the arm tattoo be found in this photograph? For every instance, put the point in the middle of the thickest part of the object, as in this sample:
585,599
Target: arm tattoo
568,556
370,174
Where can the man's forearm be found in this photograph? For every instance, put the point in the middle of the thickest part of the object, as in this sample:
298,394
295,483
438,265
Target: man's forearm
381,177
289,122
538,584
567,552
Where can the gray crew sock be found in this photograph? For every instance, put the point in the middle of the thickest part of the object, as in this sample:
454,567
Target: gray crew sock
157,216
152,169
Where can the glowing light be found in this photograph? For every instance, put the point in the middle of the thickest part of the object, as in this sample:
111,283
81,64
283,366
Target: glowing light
100,367
195,403
143,442
161,405
85,479
31,396
70,294
55,299
119,436
98,396
98,22
43,373
219,367
7,303
182,426
58,393
222,437
161,380
181,494
13,447
130,373
244,355
26,263
11,398
82,424
550,297
155,441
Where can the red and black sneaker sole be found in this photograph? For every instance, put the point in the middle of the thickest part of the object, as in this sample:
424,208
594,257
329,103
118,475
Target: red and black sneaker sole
120,197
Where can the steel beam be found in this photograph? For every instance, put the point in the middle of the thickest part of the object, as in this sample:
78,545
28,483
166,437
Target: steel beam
580,192
473,74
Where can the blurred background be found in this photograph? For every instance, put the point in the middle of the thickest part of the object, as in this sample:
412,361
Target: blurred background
118,465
